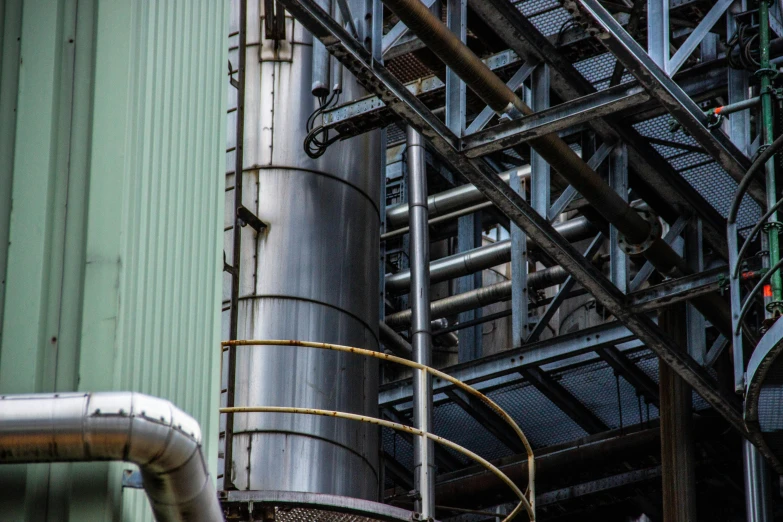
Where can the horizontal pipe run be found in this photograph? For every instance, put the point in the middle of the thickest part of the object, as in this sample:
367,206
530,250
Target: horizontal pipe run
479,297
161,439
440,219
447,201
552,149
482,258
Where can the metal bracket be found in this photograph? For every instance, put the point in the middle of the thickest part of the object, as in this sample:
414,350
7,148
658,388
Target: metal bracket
132,479
245,217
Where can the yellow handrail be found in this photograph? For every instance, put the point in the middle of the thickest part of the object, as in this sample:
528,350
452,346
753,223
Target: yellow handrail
527,499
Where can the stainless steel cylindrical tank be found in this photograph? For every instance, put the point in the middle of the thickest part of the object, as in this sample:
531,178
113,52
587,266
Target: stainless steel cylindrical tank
311,275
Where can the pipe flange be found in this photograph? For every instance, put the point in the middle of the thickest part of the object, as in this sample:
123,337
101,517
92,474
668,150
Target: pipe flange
656,231
777,225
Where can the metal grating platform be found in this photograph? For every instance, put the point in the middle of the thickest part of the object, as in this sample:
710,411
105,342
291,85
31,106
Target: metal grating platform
294,506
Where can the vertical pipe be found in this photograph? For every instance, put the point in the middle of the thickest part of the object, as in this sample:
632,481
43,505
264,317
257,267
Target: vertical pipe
757,492
320,84
421,336
766,72
618,180
237,247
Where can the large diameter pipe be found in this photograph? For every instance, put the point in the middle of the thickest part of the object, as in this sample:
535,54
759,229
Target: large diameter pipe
481,258
479,297
447,201
421,334
161,439
494,92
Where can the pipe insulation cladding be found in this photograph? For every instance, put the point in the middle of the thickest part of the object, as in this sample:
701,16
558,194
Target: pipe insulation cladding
311,275
161,439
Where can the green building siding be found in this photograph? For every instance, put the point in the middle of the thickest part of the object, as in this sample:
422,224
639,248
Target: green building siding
112,254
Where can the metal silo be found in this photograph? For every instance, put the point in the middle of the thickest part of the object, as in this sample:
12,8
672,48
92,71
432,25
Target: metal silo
310,275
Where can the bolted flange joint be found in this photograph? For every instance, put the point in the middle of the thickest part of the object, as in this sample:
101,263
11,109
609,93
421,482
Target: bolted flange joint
655,233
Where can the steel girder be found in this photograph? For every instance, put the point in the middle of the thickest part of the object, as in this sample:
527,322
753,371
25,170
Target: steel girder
378,80
668,93
673,193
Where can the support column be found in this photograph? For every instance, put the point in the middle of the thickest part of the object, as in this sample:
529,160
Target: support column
421,336
469,230
618,180
757,484
677,460
658,32
694,256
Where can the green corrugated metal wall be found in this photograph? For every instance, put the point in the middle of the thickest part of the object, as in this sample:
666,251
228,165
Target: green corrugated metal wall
112,157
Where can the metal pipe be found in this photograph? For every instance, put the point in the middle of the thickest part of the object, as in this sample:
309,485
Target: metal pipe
320,84
161,439
394,341
757,492
494,92
483,257
766,73
421,334
447,201
479,297
440,219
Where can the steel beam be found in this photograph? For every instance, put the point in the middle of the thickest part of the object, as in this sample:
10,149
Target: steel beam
487,418
512,361
696,37
669,94
377,79
623,366
658,178
445,460
680,289
563,399
677,449
558,118
562,293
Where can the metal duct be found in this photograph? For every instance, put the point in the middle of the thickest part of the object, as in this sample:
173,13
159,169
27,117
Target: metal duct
447,201
483,257
311,275
161,439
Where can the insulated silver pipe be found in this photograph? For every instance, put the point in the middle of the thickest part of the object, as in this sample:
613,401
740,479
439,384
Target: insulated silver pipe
320,84
447,201
161,439
421,334
481,258
479,297
757,493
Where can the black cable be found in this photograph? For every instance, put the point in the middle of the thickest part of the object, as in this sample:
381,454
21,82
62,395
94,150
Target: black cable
317,140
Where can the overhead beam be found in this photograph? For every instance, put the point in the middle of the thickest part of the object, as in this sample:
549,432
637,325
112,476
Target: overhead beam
487,418
621,364
680,289
672,192
558,118
565,400
669,94
380,81
512,361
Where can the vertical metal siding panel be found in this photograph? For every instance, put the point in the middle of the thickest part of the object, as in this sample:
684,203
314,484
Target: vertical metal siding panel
10,33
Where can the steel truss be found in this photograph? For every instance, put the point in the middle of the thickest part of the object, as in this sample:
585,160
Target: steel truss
393,93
